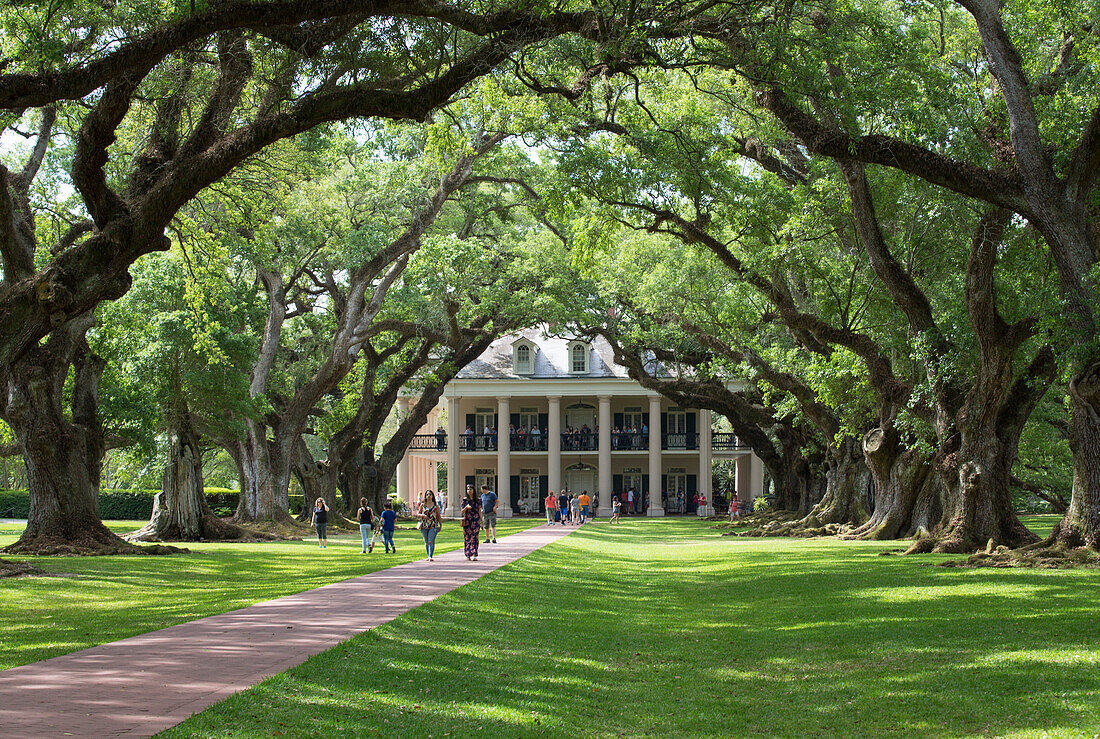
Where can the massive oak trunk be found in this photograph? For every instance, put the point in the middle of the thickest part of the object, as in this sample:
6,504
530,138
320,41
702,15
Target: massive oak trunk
1081,524
978,506
845,481
180,510
64,456
265,476
906,496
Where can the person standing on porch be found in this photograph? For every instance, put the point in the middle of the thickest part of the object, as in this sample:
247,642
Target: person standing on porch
630,501
471,523
551,508
489,514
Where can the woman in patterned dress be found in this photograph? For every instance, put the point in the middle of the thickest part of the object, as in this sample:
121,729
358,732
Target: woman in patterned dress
471,522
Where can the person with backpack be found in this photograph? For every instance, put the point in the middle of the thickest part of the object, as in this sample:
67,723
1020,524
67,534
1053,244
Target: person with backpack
551,508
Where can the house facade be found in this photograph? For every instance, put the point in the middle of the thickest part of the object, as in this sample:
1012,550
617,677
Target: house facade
537,413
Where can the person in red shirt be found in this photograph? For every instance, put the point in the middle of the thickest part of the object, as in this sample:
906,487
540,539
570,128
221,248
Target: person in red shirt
551,508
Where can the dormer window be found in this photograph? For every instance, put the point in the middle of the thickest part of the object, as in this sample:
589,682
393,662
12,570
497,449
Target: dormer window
578,358
523,358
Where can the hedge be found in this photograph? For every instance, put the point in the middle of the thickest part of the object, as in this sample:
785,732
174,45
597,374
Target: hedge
132,505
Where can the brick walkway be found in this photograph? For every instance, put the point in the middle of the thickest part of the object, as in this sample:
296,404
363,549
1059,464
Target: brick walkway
147,683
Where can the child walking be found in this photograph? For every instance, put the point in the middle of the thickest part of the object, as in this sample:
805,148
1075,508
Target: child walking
388,518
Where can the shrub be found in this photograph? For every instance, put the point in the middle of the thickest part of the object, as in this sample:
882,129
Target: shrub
761,505
121,504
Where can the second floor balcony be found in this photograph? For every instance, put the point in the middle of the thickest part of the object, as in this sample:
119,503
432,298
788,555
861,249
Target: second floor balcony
579,441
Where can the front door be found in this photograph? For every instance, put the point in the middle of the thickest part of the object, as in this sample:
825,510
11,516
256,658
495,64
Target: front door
678,492
529,494
486,477
578,480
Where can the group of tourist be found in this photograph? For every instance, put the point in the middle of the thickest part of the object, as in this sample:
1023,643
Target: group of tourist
567,508
630,437
370,525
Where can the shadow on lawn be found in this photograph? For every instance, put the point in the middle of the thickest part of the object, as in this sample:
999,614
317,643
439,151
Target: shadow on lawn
597,635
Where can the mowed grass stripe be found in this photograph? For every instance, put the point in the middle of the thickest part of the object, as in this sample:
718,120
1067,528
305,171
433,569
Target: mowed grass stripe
665,628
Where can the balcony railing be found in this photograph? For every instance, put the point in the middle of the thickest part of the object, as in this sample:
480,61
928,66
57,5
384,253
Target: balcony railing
725,443
528,442
575,442
580,441
680,441
429,442
623,441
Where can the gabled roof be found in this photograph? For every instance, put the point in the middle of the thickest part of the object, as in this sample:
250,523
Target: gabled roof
551,358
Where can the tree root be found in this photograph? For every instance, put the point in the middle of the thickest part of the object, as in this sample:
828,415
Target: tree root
283,530
20,569
1049,554
50,547
213,529
793,527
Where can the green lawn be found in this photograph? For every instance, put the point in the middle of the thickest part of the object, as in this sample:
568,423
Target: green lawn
102,599
663,628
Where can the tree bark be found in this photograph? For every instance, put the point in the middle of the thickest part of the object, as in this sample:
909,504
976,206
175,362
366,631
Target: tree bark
1081,524
845,482
180,510
902,477
63,456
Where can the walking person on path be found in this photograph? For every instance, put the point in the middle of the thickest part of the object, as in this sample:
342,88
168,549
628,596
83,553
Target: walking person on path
551,508
735,508
616,505
584,502
563,507
388,518
430,523
366,526
471,523
575,510
489,514
320,520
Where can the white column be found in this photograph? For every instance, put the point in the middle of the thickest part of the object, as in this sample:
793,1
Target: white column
604,486
455,481
706,476
553,444
744,473
404,491
756,480
656,507
504,453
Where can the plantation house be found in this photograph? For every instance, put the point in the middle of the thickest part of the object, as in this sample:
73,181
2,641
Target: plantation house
535,413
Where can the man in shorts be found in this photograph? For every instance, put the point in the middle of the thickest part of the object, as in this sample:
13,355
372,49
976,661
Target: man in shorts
584,502
489,514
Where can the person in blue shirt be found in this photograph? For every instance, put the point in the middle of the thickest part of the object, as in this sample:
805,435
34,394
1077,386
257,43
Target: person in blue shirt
388,518
489,514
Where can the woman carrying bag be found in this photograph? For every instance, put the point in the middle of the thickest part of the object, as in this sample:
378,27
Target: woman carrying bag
430,522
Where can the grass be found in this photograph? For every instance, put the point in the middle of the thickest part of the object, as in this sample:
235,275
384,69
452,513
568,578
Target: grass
101,599
664,628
